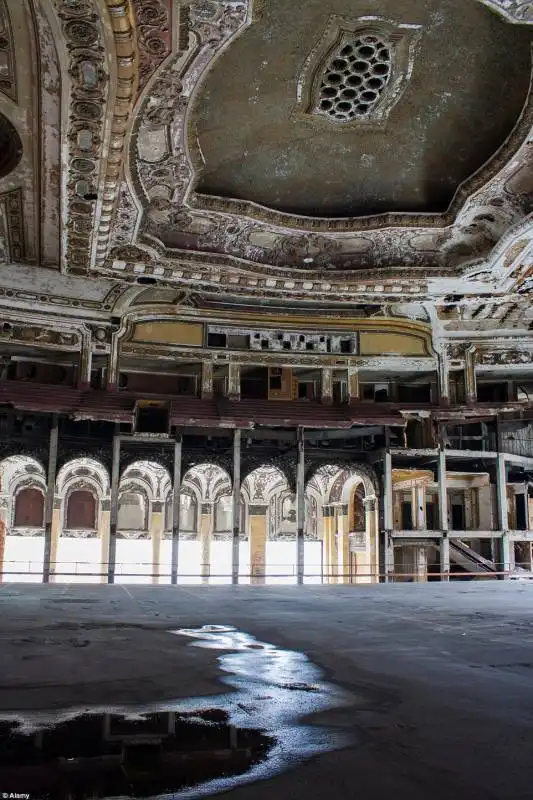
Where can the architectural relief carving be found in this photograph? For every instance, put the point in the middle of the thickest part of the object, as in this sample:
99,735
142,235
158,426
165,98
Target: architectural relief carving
496,357
82,28
12,241
8,76
38,336
153,20
512,10
163,178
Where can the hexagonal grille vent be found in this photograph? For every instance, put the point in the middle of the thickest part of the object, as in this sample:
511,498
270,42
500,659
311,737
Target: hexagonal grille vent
355,78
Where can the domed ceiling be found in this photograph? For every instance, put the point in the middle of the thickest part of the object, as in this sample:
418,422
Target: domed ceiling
273,144
325,151
463,98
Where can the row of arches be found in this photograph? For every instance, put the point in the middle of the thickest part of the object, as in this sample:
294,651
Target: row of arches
145,512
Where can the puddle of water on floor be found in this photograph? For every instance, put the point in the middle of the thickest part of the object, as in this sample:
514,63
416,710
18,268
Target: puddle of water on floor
189,748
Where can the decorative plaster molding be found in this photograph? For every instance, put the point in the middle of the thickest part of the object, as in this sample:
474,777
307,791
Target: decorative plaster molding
517,11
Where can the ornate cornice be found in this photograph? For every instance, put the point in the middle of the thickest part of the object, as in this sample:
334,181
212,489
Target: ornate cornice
517,11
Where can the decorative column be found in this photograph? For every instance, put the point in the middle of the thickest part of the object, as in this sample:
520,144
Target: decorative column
443,517
206,525
503,514
354,393
113,514
326,386
206,391
236,503
257,515
300,507
112,362
4,522
85,362
470,374
234,381
157,525
49,501
328,516
418,500
419,520
343,544
388,545
56,533
176,492
103,532
444,377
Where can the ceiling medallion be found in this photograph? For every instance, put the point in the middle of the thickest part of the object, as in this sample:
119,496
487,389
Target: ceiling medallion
358,70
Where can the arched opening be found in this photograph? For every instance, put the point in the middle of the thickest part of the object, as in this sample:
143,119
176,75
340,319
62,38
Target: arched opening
132,512
29,508
141,524
270,526
81,511
23,486
77,550
204,549
346,523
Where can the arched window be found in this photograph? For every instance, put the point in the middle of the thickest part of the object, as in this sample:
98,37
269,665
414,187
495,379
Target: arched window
224,513
81,510
29,509
132,512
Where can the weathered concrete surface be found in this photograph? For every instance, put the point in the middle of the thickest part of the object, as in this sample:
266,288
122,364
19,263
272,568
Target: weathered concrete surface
444,672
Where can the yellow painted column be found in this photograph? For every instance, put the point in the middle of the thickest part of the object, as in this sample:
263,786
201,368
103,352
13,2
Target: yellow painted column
343,543
103,533
206,526
157,527
372,529
327,522
257,516
353,384
4,524
56,533
334,549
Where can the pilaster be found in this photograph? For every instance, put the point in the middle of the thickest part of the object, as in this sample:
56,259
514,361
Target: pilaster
354,392
206,391
103,532
157,526
206,525
234,381
326,386
257,515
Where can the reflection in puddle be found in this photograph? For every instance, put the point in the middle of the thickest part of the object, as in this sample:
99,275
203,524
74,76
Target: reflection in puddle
188,748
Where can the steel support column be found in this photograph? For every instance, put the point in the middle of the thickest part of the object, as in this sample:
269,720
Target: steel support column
176,495
113,515
236,497
300,508
49,504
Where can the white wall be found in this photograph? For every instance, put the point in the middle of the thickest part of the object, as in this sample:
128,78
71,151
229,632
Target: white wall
24,553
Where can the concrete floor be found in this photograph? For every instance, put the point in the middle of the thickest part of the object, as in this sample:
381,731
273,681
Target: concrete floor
444,673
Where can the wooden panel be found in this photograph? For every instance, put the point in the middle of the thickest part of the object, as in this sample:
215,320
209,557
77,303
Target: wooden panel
169,332
385,343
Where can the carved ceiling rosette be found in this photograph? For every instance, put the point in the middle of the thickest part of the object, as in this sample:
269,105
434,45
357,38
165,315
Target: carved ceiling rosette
358,71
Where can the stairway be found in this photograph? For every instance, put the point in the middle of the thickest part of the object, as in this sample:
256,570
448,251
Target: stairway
469,559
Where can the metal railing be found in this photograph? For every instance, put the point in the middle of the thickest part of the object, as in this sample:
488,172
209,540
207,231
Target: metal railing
60,571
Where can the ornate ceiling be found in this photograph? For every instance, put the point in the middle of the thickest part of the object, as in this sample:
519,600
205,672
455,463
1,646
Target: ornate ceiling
225,148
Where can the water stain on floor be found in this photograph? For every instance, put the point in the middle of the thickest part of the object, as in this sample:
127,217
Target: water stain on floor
190,748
